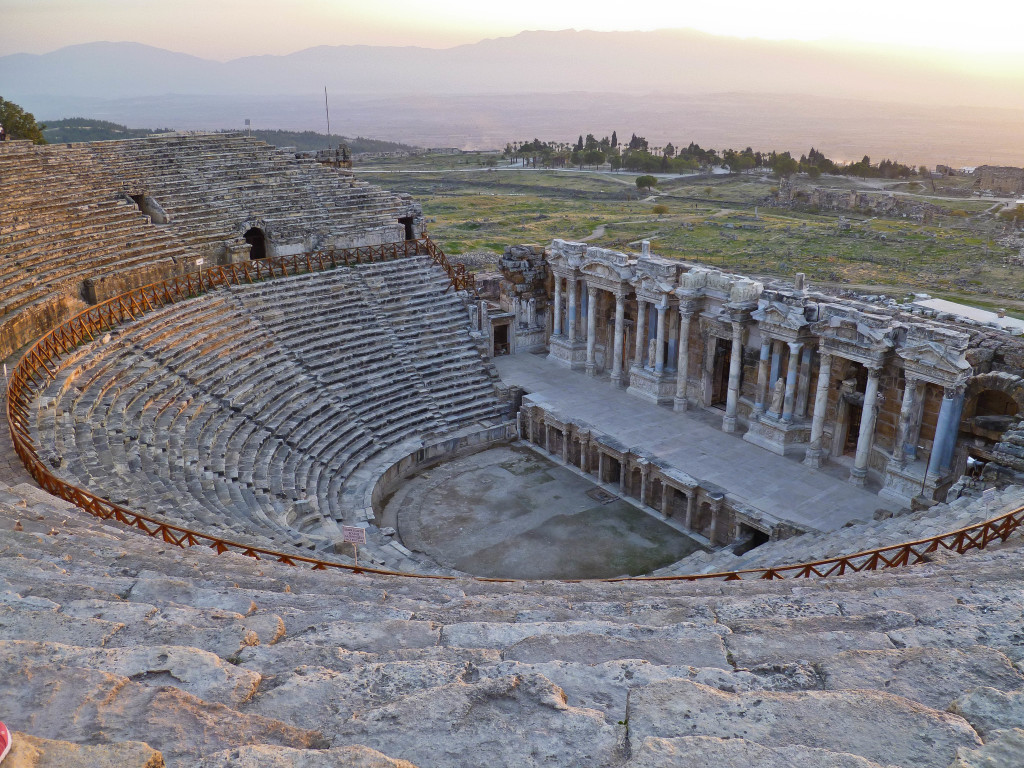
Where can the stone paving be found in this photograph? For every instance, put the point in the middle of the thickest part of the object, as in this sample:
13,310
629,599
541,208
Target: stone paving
508,512
779,486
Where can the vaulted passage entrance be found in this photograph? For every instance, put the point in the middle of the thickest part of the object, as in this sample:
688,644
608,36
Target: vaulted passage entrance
258,242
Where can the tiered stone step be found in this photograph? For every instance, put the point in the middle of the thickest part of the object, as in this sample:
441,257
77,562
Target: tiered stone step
430,323
264,413
859,537
62,220
112,637
207,183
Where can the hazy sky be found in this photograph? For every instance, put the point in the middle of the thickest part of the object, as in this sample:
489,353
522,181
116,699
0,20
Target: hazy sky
225,29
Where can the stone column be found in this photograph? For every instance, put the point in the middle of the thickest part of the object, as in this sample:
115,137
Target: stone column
735,362
558,307
683,365
815,455
591,329
572,310
620,329
600,466
716,499
791,373
644,472
762,376
659,349
565,446
803,382
547,438
584,450
622,477
866,436
691,506
641,317
945,432
899,453
665,491
776,361
914,429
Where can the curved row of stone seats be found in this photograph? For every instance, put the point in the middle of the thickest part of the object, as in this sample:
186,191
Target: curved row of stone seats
62,219
224,413
430,323
151,403
205,183
216,661
330,326
856,537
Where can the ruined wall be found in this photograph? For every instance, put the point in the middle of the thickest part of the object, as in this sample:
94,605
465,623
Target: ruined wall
999,180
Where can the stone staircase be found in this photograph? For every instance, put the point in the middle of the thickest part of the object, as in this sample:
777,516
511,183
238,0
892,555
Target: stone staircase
110,637
264,413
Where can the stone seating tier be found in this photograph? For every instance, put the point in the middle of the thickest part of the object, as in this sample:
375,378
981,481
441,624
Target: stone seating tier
859,537
207,183
240,414
112,637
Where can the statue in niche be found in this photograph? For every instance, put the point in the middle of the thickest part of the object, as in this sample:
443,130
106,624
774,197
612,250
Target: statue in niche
778,395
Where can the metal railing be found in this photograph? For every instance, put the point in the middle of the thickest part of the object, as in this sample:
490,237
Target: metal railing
41,363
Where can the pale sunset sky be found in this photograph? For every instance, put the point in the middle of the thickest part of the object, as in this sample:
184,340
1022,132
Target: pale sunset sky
227,29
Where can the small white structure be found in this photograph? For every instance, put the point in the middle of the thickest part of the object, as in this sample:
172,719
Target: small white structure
1010,324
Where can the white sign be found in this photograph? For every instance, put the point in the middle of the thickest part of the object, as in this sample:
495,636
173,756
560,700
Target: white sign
199,262
353,534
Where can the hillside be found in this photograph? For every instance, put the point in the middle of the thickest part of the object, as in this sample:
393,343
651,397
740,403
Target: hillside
75,129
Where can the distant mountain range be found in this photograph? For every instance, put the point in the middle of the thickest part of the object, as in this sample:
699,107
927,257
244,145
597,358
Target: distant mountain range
490,85
673,61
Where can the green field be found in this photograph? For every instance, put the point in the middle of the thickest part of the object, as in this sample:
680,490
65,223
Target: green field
717,220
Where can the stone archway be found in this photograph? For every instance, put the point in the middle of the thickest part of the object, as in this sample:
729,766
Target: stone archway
257,240
993,402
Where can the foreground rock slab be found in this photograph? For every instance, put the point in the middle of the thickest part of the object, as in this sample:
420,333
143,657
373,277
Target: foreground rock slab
704,751
30,751
869,724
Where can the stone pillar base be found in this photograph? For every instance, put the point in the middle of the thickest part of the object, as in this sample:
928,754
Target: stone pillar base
729,424
680,404
650,386
858,476
617,380
780,437
815,458
904,483
591,369
571,354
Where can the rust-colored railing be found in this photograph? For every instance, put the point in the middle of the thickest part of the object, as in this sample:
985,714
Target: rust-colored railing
461,279
40,364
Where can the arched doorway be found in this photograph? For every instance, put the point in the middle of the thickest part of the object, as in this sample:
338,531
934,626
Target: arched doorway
257,241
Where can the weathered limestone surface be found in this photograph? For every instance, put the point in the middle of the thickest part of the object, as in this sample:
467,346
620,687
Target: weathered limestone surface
703,751
871,724
219,661
990,710
1004,751
30,751
286,757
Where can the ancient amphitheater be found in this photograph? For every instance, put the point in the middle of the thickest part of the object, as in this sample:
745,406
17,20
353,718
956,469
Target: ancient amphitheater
246,354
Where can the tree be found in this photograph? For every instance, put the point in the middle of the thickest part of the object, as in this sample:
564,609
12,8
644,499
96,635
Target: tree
646,182
669,150
593,157
615,140
579,143
20,124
